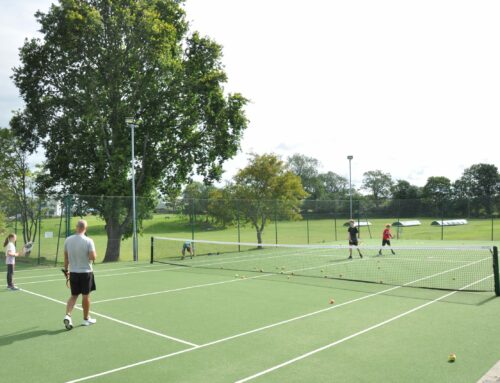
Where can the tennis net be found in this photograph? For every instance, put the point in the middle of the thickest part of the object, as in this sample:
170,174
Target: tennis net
466,268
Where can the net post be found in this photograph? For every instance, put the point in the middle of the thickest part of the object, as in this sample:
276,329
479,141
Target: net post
152,249
495,271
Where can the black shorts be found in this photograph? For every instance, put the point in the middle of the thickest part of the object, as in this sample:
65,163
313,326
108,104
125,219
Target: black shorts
353,242
81,283
386,242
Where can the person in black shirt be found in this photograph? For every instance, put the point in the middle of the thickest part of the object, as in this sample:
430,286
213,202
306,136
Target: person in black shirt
353,238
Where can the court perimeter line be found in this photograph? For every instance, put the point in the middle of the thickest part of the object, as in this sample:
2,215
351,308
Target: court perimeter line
261,328
210,284
333,344
116,320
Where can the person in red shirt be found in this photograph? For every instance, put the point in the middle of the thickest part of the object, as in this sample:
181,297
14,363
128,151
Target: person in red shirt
386,238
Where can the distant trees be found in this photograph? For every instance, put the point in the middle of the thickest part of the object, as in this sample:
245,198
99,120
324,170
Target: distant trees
481,184
378,183
19,189
267,190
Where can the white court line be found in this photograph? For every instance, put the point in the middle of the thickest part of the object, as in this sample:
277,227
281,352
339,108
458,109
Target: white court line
201,264
162,357
175,290
210,284
115,320
104,275
238,280
95,271
333,344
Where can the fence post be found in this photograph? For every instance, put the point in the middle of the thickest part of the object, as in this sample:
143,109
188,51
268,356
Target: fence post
495,271
492,224
68,203
39,230
152,249
238,220
307,225
58,238
442,220
276,220
192,219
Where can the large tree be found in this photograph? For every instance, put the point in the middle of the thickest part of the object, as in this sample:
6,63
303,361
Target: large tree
101,61
378,183
437,189
267,190
20,197
480,183
307,169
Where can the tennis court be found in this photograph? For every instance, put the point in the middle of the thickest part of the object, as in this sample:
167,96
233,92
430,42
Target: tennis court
264,322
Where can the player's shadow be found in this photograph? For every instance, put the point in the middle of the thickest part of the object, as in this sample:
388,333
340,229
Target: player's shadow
29,333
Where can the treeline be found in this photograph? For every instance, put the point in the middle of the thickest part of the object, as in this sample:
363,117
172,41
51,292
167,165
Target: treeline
474,195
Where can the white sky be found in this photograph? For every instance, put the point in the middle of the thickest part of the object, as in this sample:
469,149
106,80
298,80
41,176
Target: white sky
411,88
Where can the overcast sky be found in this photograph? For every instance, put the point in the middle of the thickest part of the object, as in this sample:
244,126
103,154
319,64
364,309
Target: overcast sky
411,88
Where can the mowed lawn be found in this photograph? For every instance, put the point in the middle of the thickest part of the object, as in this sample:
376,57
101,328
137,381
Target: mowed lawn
306,231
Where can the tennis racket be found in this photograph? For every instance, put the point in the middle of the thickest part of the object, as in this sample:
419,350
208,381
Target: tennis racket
27,248
66,274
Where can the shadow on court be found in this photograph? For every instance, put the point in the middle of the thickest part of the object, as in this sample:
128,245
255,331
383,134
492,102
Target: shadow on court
29,333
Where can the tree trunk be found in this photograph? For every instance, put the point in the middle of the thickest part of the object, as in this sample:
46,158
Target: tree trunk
114,231
259,238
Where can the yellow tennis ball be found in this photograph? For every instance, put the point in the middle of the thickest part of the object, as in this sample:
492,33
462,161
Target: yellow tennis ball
452,357
332,301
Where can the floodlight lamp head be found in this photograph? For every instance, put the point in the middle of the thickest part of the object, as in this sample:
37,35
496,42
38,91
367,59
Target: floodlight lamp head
129,120
350,157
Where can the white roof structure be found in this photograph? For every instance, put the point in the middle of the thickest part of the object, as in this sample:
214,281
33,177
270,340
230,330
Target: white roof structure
450,222
406,223
360,223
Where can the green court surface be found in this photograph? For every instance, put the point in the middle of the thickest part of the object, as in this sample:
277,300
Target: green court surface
168,323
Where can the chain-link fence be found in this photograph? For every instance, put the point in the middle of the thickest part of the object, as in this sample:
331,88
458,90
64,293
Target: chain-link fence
48,222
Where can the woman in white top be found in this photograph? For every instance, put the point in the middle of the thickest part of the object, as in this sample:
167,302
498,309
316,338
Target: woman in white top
10,259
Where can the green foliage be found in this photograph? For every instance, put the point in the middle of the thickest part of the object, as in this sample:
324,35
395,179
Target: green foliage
266,189
437,189
378,184
100,62
480,183
20,194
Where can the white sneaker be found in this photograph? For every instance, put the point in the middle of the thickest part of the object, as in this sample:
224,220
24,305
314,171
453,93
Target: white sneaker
68,323
89,321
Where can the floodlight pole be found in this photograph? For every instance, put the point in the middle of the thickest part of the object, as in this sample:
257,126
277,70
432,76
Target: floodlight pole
131,123
350,187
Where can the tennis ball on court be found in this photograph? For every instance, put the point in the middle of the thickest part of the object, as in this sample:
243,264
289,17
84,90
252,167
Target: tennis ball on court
452,357
236,275
332,301
340,275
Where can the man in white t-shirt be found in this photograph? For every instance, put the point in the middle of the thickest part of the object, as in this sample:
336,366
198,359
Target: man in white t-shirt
79,253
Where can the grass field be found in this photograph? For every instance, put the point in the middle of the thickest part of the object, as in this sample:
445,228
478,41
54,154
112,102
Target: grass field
163,323
483,231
